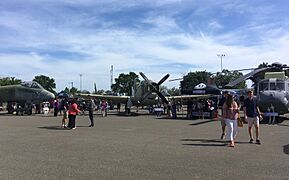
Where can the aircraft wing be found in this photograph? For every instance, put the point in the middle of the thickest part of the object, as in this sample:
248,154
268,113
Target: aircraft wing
114,99
194,97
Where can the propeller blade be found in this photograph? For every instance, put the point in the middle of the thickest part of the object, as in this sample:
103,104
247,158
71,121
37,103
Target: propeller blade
144,77
163,98
163,79
247,76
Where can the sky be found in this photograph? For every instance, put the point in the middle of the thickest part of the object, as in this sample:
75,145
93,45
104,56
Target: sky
65,38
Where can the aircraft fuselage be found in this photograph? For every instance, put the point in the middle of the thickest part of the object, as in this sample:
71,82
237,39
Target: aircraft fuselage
273,93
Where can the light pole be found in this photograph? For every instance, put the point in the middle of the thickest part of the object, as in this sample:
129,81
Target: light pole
221,56
80,83
71,83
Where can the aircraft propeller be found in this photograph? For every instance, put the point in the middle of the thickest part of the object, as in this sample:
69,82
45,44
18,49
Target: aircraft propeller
154,87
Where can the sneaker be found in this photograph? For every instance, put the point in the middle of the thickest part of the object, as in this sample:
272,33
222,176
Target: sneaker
258,141
73,128
222,136
251,141
231,145
90,125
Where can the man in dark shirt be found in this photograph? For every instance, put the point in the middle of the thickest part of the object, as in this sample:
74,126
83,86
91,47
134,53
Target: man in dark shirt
90,108
252,115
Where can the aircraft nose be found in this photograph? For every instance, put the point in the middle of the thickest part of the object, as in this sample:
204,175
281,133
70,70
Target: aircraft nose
277,99
50,95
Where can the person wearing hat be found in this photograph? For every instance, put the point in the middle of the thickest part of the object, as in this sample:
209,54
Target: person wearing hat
252,115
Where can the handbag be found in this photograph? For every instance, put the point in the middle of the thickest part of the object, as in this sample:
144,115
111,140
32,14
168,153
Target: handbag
240,122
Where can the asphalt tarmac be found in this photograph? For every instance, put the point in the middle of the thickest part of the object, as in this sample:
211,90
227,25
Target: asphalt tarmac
137,147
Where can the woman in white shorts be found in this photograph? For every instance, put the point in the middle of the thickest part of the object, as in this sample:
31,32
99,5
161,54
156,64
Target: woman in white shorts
230,114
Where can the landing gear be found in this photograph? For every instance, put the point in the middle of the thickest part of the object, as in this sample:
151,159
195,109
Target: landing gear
20,108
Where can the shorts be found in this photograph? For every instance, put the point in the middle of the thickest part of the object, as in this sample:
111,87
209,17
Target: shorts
253,120
223,122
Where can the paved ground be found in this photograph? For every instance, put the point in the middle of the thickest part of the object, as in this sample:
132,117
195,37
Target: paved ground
138,147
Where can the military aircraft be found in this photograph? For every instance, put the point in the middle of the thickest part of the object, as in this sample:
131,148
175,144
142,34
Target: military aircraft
145,93
25,94
272,89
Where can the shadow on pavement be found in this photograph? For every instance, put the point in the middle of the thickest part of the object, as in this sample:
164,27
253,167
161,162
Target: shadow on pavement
283,125
202,122
170,118
286,149
209,142
54,128
205,142
132,114
58,127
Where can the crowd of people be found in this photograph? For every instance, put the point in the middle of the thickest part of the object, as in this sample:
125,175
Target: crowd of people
69,108
230,112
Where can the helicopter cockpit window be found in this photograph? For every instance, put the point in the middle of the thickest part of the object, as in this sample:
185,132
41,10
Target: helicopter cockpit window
273,86
264,86
280,85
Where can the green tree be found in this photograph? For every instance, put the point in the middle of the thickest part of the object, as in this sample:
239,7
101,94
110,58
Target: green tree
174,91
124,83
101,91
221,79
73,90
9,81
194,78
46,82
66,90
264,64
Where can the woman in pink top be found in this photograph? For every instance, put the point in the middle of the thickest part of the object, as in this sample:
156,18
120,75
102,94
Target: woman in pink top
230,114
72,112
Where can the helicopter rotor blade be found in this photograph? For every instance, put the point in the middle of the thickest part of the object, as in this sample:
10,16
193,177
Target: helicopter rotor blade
247,76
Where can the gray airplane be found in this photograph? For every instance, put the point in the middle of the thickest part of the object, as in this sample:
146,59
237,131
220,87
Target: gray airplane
272,92
145,93
24,94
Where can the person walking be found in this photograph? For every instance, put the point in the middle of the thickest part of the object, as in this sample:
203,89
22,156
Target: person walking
189,108
65,115
252,115
103,108
223,121
230,114
56,106
174,109
72,112
91,107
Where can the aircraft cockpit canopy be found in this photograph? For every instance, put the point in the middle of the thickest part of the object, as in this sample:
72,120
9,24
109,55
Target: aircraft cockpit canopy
268,84
32,84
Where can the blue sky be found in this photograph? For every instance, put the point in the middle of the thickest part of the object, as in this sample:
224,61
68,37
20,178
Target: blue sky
65,38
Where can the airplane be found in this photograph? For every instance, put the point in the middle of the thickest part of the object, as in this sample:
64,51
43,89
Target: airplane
272,89
24,94
145,93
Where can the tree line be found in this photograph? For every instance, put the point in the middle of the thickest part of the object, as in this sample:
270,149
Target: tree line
124,83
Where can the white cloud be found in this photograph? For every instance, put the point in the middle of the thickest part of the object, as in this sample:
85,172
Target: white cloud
36,47
215,25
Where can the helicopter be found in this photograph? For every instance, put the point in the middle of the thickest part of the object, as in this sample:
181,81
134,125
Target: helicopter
271,85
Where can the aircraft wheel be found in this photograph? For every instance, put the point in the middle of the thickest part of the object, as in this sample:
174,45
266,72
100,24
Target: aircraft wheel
29,112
